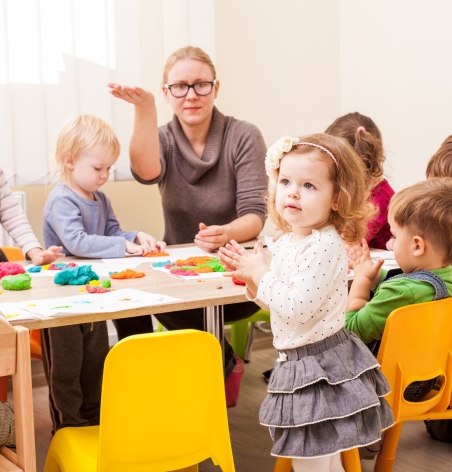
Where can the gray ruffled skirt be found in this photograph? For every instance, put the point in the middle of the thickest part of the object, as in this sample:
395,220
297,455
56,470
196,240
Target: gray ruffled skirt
325,398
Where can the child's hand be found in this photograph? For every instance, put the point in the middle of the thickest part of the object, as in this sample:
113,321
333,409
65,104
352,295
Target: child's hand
361,262
40,257
135,249
210,238
247,267
390,244
149,242
135,95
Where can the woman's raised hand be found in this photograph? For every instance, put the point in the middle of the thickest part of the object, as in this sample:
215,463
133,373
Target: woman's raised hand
135,95
210,238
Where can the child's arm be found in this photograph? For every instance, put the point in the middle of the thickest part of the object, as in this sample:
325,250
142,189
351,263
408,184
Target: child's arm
366,276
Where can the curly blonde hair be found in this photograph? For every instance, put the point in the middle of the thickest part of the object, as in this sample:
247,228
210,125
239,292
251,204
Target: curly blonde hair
348,178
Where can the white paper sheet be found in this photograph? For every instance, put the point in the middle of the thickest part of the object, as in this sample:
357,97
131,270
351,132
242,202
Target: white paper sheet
13,313
110,302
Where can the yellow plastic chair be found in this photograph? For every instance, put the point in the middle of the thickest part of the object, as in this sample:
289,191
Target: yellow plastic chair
242,333
350,462
416,345
159,412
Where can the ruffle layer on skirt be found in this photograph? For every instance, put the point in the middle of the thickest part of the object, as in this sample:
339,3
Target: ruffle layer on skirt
346,359
331,436
322,401
326,398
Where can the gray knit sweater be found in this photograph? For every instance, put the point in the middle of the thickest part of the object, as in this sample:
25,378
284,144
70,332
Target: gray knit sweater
226,183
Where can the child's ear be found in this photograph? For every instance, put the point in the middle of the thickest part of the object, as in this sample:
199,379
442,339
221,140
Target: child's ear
335,205
418,246
69,160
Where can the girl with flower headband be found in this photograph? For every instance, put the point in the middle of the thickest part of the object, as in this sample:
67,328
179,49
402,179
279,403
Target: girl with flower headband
325,394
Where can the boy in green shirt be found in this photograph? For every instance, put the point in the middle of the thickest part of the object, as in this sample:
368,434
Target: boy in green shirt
420,221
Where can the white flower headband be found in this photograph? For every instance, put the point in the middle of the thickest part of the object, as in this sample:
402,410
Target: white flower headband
284,145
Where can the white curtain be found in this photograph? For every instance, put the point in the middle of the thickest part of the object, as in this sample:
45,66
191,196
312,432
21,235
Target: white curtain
56,57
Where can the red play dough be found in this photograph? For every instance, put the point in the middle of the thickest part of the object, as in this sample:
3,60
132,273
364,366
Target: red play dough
10,268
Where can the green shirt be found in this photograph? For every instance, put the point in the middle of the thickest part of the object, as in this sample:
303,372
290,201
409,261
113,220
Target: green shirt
369,322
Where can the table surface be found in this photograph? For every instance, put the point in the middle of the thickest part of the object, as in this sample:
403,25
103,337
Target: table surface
193,294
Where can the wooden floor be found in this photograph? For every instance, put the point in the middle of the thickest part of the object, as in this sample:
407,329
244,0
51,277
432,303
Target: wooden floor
250,441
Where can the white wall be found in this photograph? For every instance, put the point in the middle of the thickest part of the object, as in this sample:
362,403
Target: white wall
396,67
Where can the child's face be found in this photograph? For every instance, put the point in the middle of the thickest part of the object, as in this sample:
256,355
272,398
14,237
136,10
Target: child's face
403,248
90,169
304,193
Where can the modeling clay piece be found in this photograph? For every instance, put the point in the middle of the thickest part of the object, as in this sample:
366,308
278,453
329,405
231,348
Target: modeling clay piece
106,284
161,264
96,289
58,266
94,283
16,282
127,274
193,266
79,275
34,269
10,268
157,254
46,267
237,281
183,272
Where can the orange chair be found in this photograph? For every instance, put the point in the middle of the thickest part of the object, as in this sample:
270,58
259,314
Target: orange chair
350,462
14,254
416,345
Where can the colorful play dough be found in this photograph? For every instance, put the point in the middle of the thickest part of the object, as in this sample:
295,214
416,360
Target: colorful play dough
94,283
34,269
238,281
10,268
106,284
127,274
16,282
157,254
192,266
96,289
79,275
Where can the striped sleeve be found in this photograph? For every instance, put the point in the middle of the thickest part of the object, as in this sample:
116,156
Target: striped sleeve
13,219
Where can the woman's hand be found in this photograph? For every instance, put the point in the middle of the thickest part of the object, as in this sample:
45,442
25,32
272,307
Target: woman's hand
42,257
134,95
149,242
210,238
247,267
362,264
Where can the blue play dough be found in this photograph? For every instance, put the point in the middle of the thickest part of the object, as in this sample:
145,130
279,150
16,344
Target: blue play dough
161,264
34,269
79,275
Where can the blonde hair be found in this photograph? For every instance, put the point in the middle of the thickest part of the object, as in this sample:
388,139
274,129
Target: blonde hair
188,52
82,133
425,208
440,164
348,178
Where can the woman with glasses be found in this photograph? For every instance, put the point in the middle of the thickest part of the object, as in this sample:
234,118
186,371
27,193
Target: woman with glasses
210,172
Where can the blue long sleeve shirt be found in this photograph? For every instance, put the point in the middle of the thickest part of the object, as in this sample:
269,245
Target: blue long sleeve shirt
85,228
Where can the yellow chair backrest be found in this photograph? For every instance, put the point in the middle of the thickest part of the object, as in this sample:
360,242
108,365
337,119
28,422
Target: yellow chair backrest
163,404
12,253
417,345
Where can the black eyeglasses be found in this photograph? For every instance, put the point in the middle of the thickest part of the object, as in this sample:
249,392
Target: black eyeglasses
181,90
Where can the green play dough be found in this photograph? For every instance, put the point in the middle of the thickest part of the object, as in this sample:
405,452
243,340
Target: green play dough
16,282
106,284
